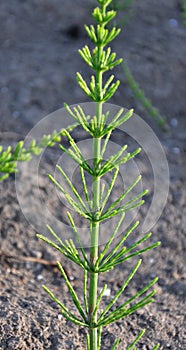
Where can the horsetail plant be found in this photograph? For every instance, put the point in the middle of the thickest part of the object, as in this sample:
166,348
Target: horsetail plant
95,208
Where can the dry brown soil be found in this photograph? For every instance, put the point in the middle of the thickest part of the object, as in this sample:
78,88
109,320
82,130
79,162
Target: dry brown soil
38,61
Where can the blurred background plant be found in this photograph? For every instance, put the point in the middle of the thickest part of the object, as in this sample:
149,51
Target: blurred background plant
125,11
139,94
184,12
10,157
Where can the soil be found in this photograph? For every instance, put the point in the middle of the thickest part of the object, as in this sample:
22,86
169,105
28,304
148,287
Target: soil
38,61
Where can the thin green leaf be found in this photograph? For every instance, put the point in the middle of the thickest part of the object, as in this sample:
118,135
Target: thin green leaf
111,91
74,320
111,163
91,33
116,123
18,149
114,177
66,251
83,85
140,335
56,237
71,154
69,110
66,313
74,145
128,190
116,343
122,240
99,337
73,293
70,200
3,177
85,291
107,245
85,54
78,239
105,144
128,204
109,81
127,250
145,301
120,291
72,187
138,252
99,300
128,156
113,33
79,116
82,118
119,210
85,188
156,347
116,313
120,313
102,192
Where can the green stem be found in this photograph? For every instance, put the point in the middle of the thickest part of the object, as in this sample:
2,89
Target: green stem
93,287
94,235
94,229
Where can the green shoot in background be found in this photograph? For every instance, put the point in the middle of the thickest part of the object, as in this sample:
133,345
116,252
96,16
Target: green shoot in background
95,209
9,158
140,96
125,8
184,12
127,11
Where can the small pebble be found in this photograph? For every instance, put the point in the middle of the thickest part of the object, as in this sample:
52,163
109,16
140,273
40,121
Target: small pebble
60,317
174,122
4,90
176,150
107,292
40,277
37,254
15,114
28,265
173,22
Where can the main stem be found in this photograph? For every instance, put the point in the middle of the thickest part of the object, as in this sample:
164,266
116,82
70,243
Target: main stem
94,235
